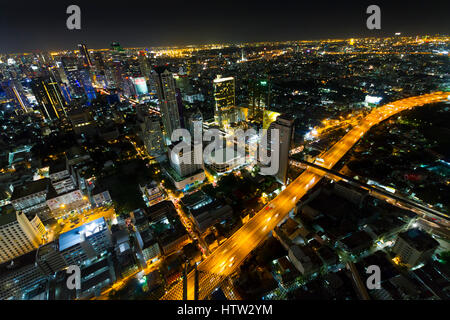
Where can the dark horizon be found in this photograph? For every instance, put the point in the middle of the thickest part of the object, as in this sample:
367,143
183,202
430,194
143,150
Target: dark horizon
42,26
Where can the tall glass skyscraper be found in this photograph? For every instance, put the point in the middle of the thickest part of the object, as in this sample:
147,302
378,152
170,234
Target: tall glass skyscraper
166,90
49,97
224,97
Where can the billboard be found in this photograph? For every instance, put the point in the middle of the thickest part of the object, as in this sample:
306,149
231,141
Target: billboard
140,85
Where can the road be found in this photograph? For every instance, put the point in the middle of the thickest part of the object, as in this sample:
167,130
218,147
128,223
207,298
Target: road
225,259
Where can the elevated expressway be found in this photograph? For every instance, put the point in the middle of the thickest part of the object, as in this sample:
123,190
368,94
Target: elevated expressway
225,259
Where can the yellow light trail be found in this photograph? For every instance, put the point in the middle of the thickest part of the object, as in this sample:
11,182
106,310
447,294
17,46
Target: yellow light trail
225,259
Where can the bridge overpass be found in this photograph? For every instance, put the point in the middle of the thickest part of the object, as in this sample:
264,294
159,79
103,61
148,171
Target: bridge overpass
226,259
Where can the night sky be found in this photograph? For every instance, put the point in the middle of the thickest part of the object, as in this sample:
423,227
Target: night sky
27,26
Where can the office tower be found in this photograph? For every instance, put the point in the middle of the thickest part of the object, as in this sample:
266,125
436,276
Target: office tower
115,46
14,91
81,245
99,63
128,87
168,105
152,136
224,97
49,97
86,82
144,65
79,79
285,126
18,234
194,123
84,52
195,161
72,71
259,99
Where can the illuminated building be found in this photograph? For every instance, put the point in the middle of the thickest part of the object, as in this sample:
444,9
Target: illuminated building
18,234
224,96
84,52
194,122
225,160
31,196
20,277
152,136
152,194
185,175
140,85
168,104
82,121
49,259
181,167
49,97
61,178
99,63
14,92
259,92
115,46
79,78
144,65
269,117
81,245
285,126
414,246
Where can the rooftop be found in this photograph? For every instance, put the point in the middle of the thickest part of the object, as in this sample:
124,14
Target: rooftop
75,236
30,188
419,239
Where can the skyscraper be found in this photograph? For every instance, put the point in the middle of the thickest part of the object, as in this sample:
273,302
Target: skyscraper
48,94
85,53
166,91
14,91
144,65
285,126
79,78
152,136
259,99
224,96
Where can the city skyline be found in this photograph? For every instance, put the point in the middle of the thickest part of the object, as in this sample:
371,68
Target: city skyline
225,151
43,26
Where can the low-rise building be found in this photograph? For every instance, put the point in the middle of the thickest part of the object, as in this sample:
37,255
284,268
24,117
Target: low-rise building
414,246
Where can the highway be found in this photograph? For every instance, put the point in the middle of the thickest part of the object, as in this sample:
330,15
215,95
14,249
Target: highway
225,259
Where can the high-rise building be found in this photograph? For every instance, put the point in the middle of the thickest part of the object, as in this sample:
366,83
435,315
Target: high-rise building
49,97
224,96
152,136
79,78
99,63
166,91
193,164
85,53
144,65
14,91
18,234
72,72
194,123
259,99
285,127
115,46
